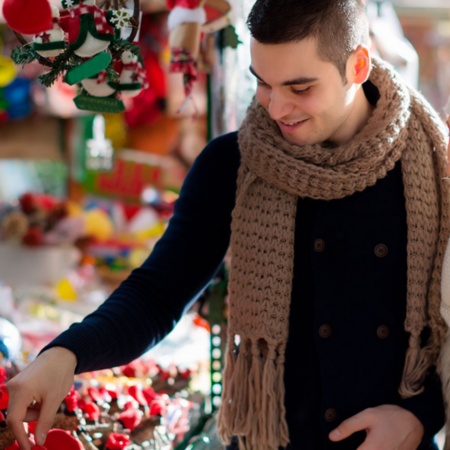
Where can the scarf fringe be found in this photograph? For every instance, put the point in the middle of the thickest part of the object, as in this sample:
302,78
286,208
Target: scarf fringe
254,412
417,363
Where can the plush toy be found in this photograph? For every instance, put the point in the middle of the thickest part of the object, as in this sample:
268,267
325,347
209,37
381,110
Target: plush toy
89,35
98,85
50,42
133,77
88,30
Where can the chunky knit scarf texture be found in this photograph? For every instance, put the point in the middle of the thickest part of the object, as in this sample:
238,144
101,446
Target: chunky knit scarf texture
272,175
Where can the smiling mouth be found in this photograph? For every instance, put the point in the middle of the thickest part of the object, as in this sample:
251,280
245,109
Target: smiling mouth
291,124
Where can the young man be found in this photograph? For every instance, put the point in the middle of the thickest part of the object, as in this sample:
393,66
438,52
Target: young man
332,199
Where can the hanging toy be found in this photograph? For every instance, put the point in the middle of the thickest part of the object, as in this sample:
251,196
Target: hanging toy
89,33
28,16
50,43
98,85
188,20
185,20
133,77
91,46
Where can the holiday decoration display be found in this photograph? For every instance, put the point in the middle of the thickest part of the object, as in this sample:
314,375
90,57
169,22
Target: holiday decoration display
40,219
132,78
188,20
126,408
83,43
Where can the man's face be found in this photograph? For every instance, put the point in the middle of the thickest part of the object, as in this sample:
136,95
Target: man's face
304,94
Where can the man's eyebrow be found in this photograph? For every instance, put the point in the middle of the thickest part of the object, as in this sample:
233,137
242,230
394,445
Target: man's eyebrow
295,81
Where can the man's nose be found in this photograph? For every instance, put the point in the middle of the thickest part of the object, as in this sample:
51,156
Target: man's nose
279,105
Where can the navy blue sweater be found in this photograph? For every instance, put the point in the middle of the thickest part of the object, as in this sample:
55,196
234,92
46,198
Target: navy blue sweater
346,341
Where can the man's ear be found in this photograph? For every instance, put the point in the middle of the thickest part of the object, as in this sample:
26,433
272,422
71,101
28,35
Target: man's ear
360,65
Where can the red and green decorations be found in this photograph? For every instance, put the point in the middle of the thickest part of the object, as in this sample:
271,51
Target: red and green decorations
83,44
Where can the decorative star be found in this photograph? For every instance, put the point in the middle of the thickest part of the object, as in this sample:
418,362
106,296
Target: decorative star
45,37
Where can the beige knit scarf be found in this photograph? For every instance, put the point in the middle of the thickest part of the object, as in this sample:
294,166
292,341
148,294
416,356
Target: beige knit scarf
272,175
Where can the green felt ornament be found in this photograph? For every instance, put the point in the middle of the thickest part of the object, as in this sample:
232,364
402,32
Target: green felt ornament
88,68
99,104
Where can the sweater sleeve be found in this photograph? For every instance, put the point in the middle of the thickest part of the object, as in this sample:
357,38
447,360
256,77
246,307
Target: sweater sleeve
147,305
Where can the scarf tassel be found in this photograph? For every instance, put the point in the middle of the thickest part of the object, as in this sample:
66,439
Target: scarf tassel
417,363
255,411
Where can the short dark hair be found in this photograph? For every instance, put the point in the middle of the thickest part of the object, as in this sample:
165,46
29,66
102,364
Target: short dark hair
339,25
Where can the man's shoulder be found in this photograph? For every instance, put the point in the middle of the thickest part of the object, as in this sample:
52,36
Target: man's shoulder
222,150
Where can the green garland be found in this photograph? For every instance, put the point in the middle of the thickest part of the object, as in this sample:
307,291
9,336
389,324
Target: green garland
68,60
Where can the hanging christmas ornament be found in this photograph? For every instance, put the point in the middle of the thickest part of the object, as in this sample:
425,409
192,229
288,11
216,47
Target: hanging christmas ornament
50,43
92,45
185,20
98,85
28,16
88,30
188,20
133,77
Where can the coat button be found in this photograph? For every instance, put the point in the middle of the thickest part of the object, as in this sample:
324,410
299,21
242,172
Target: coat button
380,250
330,415
383,331
319,245
325,331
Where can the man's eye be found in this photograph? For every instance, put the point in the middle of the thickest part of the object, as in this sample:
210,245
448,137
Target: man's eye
301,91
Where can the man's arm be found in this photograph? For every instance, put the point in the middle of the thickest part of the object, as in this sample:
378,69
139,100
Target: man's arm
147,305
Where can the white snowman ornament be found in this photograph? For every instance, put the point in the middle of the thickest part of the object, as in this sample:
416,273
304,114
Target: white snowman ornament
89,33
132,75
50,43
98,86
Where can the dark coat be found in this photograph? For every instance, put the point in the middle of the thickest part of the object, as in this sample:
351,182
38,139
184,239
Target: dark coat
347,341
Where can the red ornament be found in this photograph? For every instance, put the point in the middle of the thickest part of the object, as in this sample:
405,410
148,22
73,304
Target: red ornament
59,439
136,392
71,400
28,16
131,418
117,441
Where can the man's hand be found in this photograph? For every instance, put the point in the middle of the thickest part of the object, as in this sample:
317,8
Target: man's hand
37,392
389,427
